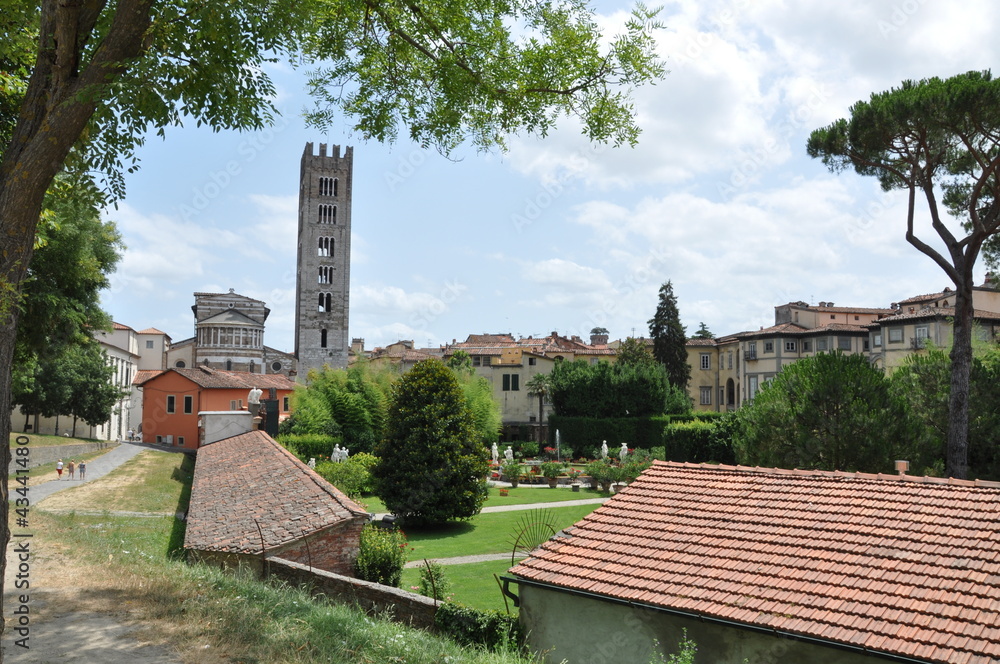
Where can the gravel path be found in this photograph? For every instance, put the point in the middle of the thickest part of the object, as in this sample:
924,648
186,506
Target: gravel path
96,469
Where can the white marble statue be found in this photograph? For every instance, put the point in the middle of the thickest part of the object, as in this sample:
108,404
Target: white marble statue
335,457
623,452
253,397
604,450
495,453
312,462
508,454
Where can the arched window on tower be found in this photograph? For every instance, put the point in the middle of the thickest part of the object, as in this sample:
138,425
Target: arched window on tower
327,214
322,338
229,365
327,187
325,246
320,308
329,302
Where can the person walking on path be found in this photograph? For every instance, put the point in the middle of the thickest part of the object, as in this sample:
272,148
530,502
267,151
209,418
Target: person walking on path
59,467
83,470
70,468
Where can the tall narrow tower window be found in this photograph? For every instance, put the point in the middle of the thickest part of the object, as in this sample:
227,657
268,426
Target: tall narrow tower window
327,214
329,302
327,187
325,246
319,307
322,338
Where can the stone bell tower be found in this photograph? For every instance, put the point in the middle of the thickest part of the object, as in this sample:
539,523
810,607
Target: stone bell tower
323,280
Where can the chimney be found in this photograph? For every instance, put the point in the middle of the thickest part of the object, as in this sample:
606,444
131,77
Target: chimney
902,466
215,425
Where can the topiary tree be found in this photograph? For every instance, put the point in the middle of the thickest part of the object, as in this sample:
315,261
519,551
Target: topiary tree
432,468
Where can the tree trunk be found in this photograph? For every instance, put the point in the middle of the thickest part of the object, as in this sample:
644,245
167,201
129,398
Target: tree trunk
957,454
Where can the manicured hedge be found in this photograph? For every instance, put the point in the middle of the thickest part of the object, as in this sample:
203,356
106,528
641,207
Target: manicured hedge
697,441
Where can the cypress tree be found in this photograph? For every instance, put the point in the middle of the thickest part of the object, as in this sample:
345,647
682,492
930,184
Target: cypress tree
670,338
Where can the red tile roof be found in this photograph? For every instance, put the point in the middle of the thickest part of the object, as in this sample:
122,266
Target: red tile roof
143,375
249,480
932,312
208,377
906,566
120,326
153,330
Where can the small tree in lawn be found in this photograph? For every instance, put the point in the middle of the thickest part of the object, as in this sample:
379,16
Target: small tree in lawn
432,468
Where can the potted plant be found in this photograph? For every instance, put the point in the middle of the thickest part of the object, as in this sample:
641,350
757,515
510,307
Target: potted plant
512,472
551,470
600,472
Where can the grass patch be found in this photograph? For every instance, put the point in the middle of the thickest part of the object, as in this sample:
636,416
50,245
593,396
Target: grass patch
50,441
471,585
486,533
47,471
251,621
519,496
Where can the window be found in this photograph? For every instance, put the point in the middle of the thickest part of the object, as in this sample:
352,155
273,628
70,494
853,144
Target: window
322,338
325,246
807,346
821,344
327,187
149,343
722,395
486,360
328,214
171,403
730,359
877,340
857,318
476,360
790,346
284,404
833,317
706,364
751,387
706,396
768,346
188,404
506,382
922,332
325,303
511,382
236,404
844,343
180,364
864,343
229,365
895,335
531,361
276,367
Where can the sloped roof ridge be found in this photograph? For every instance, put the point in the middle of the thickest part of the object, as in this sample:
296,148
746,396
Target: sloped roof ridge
342,498
844,474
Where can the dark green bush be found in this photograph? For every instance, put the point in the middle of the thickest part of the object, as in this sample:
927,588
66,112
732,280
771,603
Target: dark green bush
475,627
697,441
309,446
352,475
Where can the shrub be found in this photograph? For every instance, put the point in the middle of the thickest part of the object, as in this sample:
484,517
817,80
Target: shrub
552,469
697,441
307,446
433,583
352,475
600,470
381,556
475,627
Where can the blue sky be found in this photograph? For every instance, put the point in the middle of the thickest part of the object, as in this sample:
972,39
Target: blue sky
561,235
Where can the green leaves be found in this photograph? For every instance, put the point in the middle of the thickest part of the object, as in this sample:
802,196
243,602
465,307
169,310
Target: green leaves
454,71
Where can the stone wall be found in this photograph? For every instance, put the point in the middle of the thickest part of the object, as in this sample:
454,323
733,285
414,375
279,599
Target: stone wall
333,550
404,607
42,455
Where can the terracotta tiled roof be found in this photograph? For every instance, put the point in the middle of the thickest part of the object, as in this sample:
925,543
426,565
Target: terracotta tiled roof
120,326
488,339
153,330
219,379
926,298
143,375
250,480
697,341
932,312
904,566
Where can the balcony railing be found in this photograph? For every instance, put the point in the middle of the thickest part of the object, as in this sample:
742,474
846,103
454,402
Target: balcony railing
916,343
750,354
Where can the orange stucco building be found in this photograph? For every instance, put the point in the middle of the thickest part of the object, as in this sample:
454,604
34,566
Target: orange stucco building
173,398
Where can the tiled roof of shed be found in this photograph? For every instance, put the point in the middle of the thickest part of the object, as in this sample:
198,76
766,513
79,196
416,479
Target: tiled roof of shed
908,566
249,480
142,375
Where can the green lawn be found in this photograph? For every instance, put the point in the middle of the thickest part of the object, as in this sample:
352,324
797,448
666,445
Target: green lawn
471,585
486,533
519,496
49,441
